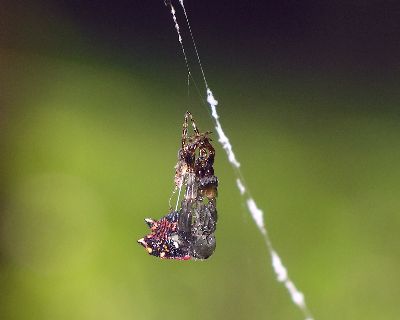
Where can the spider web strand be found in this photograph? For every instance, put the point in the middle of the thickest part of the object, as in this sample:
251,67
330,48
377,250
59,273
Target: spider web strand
177,28
194,42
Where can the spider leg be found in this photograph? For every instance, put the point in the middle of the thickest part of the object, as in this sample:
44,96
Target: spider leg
185,129
188,116
177,199
196,131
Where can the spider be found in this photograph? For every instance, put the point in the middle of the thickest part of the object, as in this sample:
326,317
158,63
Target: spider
189,232
195,162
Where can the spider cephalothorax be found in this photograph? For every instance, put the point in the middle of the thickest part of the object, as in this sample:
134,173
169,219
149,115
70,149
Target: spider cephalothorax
189,232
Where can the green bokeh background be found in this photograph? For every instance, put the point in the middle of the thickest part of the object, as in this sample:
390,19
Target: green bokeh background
89,139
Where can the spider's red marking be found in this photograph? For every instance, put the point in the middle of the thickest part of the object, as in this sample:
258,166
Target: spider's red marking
163,241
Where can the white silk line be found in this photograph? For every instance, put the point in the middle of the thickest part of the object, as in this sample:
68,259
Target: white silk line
223,139
257,214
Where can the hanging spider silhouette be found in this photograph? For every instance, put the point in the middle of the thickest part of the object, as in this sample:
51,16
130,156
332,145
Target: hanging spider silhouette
189,232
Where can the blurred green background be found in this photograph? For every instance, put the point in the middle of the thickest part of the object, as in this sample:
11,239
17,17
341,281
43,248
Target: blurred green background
91,106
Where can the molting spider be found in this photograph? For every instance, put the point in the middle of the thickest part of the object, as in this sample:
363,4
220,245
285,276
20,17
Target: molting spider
189,232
